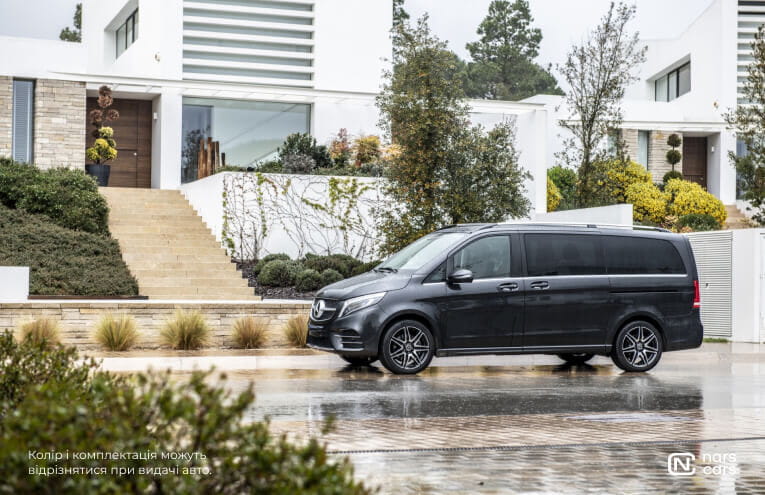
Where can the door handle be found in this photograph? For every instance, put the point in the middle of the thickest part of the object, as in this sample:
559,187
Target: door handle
540,285
507,287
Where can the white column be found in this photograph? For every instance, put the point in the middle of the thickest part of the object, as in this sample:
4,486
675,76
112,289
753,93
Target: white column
166,140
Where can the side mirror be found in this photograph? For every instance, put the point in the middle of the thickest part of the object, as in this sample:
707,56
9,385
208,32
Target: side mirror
461,276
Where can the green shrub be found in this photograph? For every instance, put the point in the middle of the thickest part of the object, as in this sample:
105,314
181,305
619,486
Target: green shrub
265,259
688,197
279,273
298,164
69,198
321,263
565,180
249,333
308,280
554,196
305,145
271,166
186,331
649,204
296,330
63,262
116,334
60,402
42,332
365,267
330,276
698,222
672,174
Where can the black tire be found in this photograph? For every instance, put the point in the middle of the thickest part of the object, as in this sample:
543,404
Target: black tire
358,360
407,347
576,358
638,347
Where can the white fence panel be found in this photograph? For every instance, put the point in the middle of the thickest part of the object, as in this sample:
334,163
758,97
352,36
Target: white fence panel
714,260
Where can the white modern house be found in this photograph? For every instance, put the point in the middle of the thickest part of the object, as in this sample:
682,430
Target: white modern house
246,73
685,86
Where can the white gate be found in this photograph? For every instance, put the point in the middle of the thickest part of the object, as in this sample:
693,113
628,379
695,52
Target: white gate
713,252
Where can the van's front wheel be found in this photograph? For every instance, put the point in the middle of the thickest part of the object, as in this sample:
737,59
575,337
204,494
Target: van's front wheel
638,347
407,347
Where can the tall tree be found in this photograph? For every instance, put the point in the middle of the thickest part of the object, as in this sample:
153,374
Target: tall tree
503,64
598,72
446,171
76,33
400,18
748,122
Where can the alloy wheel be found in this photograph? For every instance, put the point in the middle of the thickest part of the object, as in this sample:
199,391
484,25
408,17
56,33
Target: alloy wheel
640,346
409,348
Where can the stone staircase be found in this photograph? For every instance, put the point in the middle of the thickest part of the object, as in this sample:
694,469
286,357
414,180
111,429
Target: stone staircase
736,218
169,249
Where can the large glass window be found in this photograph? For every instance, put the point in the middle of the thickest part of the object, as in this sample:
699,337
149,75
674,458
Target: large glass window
563,254
643,148
674,83
641,256
23,120
248,132
127,33
488,257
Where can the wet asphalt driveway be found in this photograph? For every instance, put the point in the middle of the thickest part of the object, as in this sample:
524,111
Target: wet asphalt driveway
521,424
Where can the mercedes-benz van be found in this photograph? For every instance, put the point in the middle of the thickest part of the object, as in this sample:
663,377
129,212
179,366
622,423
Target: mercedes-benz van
630,293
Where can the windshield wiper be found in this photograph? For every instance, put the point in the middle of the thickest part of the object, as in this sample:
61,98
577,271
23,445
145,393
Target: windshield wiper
386,269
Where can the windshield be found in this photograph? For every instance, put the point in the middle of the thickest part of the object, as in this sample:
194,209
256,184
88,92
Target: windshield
421,251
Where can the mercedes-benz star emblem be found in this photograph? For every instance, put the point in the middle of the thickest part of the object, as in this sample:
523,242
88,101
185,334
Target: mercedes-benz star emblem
318,308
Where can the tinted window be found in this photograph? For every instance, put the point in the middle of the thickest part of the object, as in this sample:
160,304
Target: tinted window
423,250
438,275
563,254
488,257
637,256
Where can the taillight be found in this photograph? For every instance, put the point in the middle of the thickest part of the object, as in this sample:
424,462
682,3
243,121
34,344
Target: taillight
696,294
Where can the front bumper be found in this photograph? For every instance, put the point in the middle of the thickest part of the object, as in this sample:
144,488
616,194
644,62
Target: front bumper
357,333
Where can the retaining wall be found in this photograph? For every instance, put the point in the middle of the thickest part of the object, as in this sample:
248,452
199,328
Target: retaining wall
77,319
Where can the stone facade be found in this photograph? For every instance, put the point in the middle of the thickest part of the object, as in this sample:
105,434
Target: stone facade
77,320
6,113
59,124
657,151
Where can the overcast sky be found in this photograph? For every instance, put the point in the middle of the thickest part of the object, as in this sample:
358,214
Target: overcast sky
563,22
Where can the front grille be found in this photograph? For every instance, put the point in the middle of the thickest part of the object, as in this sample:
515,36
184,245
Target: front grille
323,310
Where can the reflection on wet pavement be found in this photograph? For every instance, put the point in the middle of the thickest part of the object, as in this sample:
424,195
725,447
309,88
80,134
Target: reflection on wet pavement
521,426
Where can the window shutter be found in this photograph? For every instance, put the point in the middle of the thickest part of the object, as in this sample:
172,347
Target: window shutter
23,114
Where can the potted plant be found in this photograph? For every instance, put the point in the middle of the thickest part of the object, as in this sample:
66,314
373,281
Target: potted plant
104,147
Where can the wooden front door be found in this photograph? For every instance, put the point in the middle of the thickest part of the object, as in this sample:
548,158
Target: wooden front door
695,160
132,132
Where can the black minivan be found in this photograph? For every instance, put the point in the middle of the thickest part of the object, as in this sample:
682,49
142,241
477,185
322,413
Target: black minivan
575,291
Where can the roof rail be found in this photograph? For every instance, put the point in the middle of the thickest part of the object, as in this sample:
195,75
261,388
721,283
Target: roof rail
594,226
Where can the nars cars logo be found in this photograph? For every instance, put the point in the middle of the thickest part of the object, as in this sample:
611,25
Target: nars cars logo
318,308
681,464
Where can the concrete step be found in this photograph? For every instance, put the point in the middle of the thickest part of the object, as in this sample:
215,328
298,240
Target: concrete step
169,249
206,280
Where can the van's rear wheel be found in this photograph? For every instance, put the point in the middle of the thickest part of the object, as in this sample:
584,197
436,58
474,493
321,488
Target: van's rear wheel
358,360
576,358
638,347
407,347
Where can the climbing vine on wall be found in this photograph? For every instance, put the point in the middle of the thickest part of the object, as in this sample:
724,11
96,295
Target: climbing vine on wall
315,214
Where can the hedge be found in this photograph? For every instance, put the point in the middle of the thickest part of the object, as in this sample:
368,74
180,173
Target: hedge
63,261
69,198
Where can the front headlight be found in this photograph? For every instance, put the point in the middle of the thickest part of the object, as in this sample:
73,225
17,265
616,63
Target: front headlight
360,302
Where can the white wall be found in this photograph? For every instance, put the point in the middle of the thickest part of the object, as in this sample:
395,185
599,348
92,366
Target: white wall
747,284
14,283
37,58
158,50
614,215
352,43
